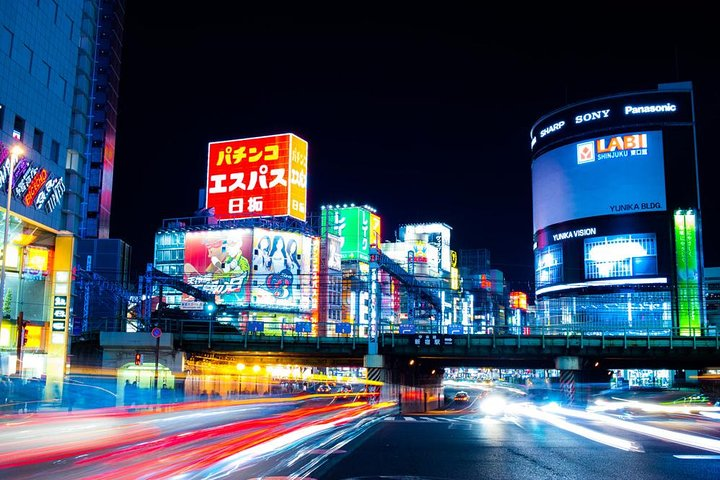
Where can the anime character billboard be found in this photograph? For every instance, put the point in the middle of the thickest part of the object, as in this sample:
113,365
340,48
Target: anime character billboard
281,273
218,262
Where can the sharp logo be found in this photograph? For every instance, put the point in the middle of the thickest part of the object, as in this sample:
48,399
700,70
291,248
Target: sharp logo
552,128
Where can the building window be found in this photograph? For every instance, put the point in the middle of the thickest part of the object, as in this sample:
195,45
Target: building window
548,265
45,74
6,41
37,140
19,128
55,151
27,58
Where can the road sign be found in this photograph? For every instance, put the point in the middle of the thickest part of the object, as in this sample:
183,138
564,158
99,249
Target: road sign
156,332
433,340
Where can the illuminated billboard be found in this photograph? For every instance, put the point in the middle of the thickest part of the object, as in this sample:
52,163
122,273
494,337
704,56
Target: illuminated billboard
609,175
518,300
620,256
686,262
357,227
218,262
671,105
282,264
334,258
34,186
436,234
258,177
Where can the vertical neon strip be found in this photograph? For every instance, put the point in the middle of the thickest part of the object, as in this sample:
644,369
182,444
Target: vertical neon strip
688,291
681,266
692,281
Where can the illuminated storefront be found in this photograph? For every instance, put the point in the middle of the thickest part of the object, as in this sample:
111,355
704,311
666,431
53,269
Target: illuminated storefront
37,274
616,219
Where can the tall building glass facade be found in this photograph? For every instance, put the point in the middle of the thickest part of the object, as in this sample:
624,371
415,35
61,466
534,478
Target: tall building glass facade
48,84
617,238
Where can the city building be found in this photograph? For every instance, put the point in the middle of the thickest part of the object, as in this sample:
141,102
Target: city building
712,298
616,213
51,72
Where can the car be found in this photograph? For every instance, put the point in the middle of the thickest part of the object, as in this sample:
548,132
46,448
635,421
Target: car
461,397
323,388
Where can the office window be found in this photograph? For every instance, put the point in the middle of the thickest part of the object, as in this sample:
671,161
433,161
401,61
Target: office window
26,58
55,151
37,140
44,73
19,128
6,41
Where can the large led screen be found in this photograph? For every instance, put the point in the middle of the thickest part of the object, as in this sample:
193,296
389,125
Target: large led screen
611,175
218,262
281,270
616,256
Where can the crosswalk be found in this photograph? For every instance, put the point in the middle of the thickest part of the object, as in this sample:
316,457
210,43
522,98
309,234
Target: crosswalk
465,422
407,418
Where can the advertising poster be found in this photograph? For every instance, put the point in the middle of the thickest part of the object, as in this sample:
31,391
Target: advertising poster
258,177
358,229
612,175
218,262
281,269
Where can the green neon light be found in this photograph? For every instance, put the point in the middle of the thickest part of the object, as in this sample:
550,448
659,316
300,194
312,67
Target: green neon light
686,261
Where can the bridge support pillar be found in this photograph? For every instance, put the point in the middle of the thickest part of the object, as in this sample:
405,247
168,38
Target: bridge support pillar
376,370
581,378
415,386
569,367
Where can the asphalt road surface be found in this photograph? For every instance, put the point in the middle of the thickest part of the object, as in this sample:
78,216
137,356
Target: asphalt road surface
337,438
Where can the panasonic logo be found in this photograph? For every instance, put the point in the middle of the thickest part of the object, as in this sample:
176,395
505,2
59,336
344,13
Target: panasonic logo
668,107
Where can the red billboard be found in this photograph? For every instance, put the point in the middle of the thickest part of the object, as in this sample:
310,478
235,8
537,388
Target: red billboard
258,177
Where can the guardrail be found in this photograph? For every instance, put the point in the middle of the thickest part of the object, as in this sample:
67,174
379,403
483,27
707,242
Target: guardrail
308,336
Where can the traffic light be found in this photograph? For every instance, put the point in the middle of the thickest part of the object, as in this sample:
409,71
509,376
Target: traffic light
25,336
138,359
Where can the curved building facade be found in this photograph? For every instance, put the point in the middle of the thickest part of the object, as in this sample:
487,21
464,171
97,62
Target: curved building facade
616,215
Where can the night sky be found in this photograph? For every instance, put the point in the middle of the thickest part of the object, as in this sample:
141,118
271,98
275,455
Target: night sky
424,120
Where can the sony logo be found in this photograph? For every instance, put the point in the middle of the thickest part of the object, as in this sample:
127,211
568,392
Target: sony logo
596,115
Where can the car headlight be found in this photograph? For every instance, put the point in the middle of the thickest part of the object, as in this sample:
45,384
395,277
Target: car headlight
493,405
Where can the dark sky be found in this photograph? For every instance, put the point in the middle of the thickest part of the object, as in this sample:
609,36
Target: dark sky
424,119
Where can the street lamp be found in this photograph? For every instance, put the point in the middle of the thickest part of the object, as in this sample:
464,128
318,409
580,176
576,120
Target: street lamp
15,152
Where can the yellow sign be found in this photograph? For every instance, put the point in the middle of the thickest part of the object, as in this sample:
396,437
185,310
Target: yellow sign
298,177
37,259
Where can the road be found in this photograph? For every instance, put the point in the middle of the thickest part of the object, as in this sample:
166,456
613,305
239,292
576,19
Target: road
330,438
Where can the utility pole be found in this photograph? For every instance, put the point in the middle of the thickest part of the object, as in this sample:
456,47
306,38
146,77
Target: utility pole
21,324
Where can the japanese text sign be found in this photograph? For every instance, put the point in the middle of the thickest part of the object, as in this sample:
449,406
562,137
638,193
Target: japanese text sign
258,177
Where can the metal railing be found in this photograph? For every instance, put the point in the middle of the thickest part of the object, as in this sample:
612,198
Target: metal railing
328,333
